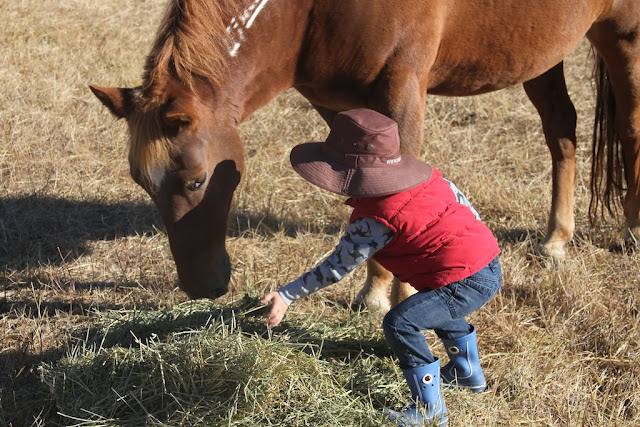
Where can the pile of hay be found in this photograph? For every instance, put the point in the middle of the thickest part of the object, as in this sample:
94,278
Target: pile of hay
199,364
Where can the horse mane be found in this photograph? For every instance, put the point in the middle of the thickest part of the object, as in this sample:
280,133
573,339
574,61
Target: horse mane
191,42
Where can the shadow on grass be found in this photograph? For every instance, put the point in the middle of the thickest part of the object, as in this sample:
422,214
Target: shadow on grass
24,399
245,314
74,305
506,235
40,229
267,224
36,229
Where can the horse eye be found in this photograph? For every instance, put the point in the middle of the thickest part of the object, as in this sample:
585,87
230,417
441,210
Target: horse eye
198,183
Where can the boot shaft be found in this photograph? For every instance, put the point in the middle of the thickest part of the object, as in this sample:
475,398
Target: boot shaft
463,369
428,406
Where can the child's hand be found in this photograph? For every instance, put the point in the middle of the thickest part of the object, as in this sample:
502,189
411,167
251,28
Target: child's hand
277,311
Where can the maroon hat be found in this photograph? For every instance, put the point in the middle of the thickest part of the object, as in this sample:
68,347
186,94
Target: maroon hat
360,158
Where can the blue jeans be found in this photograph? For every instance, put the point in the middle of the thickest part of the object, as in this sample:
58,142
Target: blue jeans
442,310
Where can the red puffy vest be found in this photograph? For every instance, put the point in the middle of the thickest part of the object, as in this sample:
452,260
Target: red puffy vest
437,240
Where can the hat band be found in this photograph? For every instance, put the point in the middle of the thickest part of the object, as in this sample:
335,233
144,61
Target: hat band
359,160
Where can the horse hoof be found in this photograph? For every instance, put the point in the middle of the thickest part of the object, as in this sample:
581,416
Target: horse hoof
632,235
631,240
378,304
553,251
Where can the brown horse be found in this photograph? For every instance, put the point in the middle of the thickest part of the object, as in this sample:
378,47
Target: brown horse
214,62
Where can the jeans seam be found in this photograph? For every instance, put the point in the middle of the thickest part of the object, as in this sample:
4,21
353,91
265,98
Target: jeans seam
402,340
405,320
449,299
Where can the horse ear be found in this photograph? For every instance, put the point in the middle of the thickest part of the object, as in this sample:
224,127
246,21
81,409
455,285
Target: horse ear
117,100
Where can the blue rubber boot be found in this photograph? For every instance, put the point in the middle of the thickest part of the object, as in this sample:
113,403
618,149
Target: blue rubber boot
463,370
428,405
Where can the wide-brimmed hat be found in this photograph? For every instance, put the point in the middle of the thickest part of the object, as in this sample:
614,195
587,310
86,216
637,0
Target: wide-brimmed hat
361,157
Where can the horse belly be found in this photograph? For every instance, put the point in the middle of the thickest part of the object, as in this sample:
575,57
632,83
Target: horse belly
483,49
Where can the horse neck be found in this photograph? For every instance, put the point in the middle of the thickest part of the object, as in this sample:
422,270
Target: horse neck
265,42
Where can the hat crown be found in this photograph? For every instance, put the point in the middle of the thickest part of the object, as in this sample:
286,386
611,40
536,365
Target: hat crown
364,132
360,157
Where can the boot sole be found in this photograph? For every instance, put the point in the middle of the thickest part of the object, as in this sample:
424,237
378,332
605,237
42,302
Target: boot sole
401,421
472,388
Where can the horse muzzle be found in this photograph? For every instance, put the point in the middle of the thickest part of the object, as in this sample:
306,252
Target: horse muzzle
205,279
211,293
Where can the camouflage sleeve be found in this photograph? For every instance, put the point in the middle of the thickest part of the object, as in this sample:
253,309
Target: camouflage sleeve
362,238
462,199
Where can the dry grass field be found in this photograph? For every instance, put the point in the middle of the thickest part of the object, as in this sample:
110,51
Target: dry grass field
92,331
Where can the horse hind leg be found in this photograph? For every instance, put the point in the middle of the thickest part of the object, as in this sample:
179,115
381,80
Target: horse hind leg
617,41
628,127
549,95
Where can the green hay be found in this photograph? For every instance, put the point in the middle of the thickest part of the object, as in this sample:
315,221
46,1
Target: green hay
208,365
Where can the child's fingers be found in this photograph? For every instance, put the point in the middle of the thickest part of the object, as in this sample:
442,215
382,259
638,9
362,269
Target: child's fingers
274,321
270,319
267,298
273,317
276,312
270,315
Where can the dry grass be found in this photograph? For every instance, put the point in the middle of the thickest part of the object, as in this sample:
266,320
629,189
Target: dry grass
83,260
164,371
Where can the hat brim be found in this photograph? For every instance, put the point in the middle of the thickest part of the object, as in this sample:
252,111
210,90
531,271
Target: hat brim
311,162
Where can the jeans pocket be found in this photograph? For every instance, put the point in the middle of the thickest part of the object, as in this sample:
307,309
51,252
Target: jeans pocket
488,288
488,280
494,265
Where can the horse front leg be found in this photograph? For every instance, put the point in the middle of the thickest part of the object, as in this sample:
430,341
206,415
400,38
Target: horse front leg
630,126
549,95
401,96
400,291
375,290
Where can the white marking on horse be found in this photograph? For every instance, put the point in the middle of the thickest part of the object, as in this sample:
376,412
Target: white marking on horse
262,4
157,176
243,22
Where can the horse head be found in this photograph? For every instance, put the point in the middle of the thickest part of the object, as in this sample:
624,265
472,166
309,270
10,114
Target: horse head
206,72
189,160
